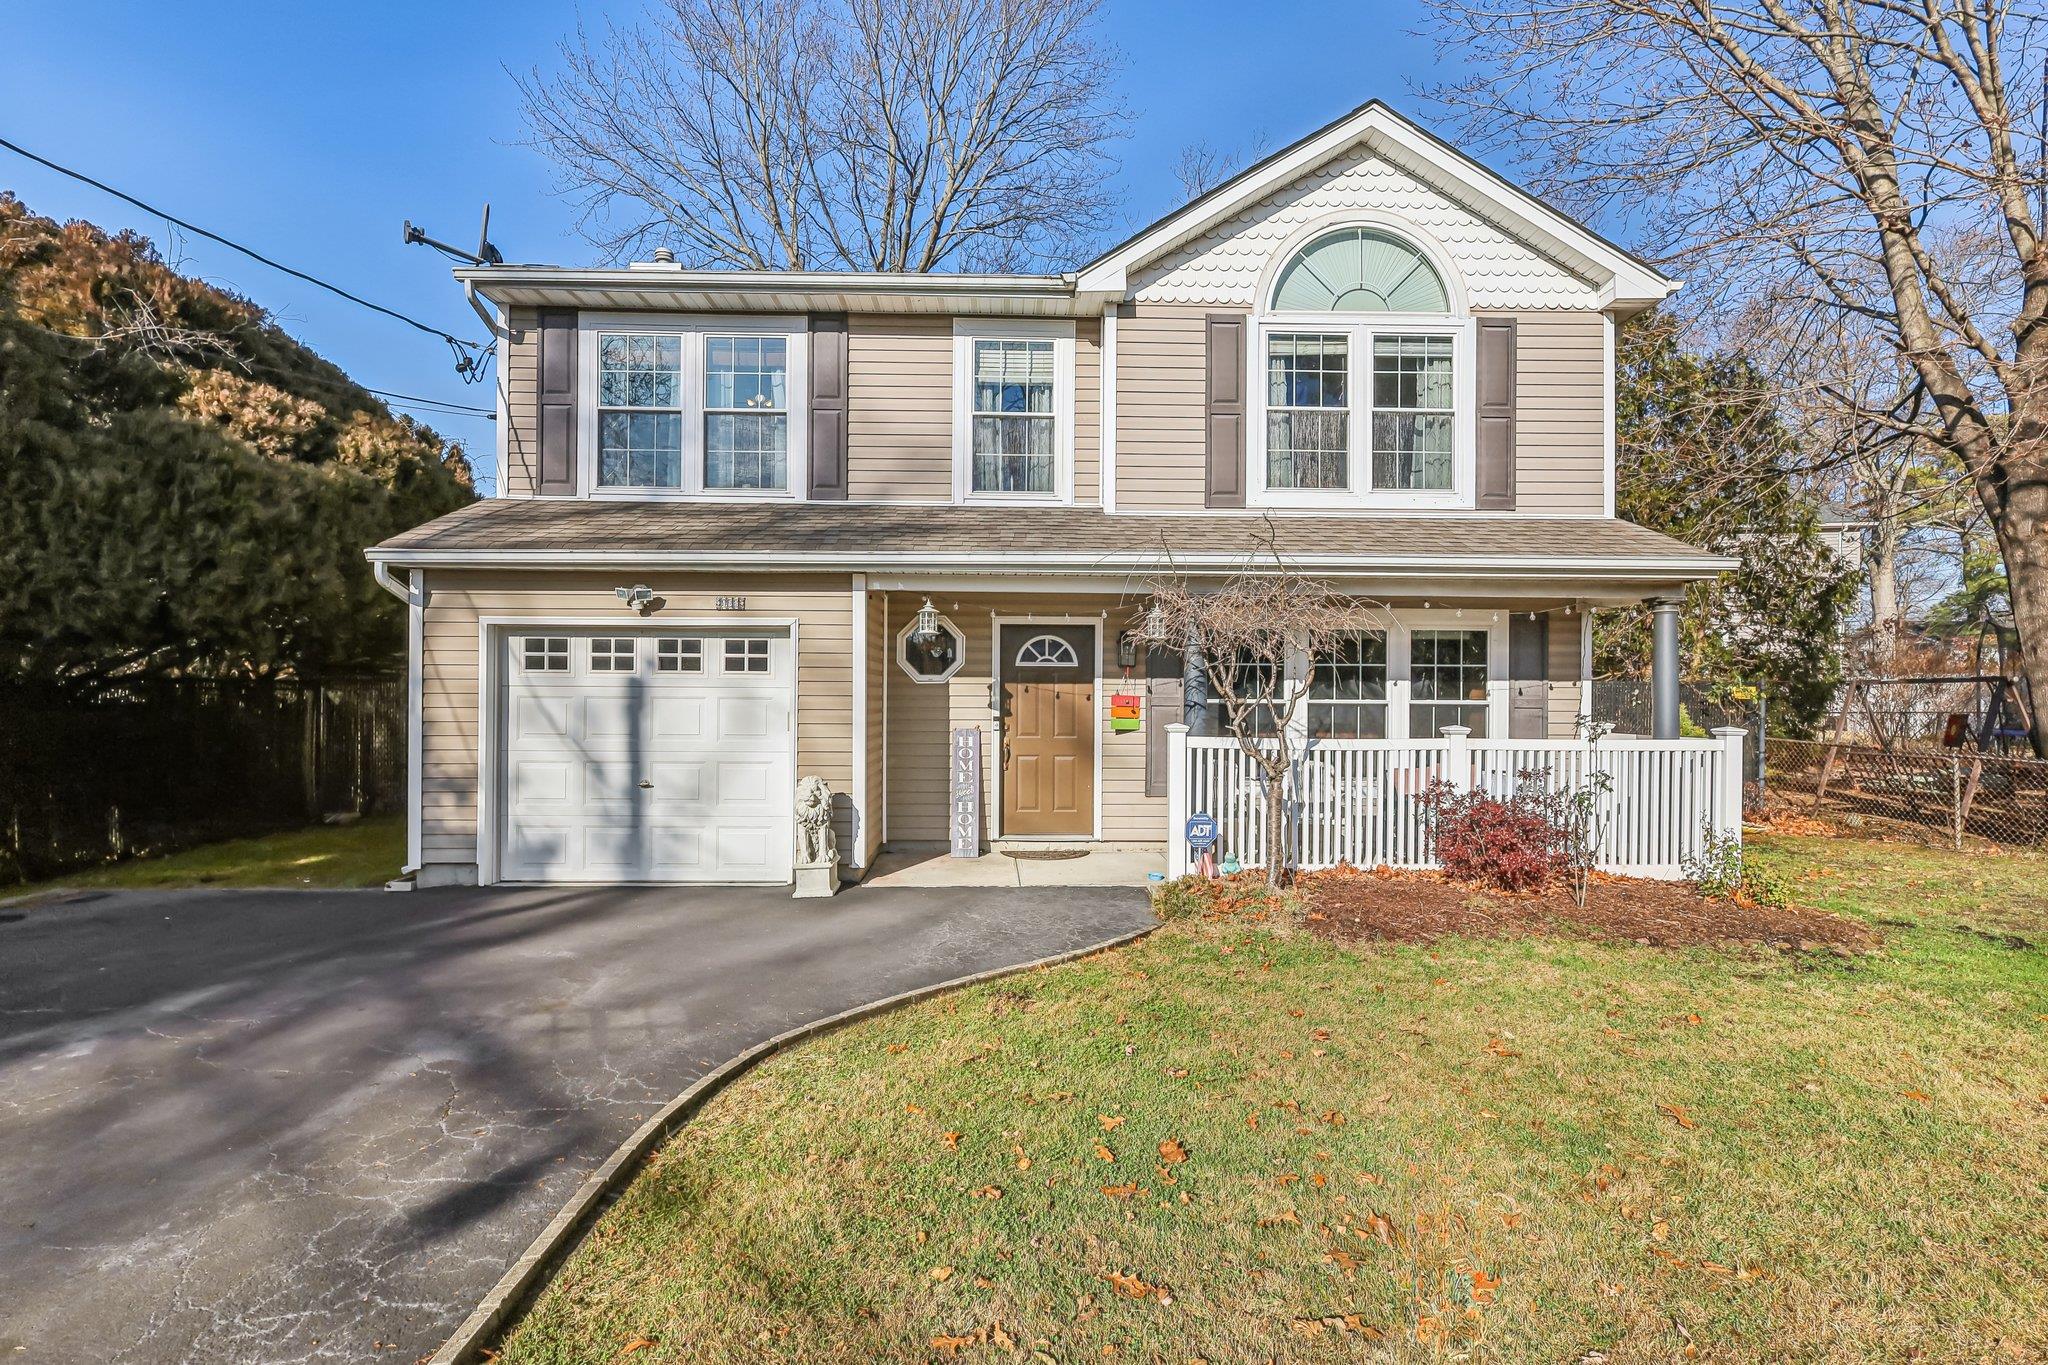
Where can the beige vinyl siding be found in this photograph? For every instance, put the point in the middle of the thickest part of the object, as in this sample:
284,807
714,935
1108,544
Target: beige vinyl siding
877,668
922,717
899,417
1567,693
1088,413
521,385
1560,397
1161,400
821,605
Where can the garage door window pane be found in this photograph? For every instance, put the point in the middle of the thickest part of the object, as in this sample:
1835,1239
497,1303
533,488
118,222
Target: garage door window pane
613,654
746,656
545,653
679,656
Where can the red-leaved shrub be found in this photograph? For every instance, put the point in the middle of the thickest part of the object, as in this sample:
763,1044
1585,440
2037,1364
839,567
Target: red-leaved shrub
1511,845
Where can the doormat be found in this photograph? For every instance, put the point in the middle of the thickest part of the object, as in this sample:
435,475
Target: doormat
1045,855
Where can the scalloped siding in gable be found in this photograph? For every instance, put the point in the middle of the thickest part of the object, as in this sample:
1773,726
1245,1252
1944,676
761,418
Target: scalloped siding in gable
1224,265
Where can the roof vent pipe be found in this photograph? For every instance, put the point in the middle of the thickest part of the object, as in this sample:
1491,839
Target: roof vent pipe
663,256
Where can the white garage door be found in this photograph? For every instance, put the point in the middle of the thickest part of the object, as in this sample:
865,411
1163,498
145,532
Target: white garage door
651,756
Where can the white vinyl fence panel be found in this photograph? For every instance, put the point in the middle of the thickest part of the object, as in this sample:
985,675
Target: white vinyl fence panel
1359,801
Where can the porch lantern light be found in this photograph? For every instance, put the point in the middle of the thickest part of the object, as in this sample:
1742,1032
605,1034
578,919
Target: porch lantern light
1155,622
927,627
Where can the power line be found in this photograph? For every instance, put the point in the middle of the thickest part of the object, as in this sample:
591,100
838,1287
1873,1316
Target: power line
462,348
437,404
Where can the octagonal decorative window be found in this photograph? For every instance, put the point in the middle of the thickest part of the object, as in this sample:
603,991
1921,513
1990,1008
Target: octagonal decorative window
931,658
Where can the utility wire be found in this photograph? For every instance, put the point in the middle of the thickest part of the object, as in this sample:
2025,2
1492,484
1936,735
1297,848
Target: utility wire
438,404
462,348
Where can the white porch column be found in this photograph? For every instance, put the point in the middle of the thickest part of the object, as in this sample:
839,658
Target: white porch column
1176,800
1728,781
1458,758
1664,667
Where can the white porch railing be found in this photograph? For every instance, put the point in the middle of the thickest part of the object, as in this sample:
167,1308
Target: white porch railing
1358,801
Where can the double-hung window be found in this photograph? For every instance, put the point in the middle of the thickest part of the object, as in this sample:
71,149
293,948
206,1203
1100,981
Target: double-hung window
677,406
1014,408
1363,366
1447,682
639,410
1347,691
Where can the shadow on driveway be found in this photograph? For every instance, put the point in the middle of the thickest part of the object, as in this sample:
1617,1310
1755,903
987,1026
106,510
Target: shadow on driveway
279,1126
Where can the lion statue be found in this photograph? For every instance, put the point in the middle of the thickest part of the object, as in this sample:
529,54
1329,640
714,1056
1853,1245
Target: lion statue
816,843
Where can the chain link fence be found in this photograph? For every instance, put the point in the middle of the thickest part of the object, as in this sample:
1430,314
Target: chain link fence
165,765
1942,794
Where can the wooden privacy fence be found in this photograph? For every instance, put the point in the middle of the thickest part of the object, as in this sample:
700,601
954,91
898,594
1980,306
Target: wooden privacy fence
1359,801
166,764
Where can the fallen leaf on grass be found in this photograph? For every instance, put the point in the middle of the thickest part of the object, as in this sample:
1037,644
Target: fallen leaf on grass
1172,1153
1136,1288
1109,1122
988,1192
1500,1049
637,1343
1677,1111
952,1345
1916,1095
952,1141
1121,1191
942,1273
1103,1153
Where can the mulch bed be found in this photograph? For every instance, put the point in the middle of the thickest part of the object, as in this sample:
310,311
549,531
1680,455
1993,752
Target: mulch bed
1347,906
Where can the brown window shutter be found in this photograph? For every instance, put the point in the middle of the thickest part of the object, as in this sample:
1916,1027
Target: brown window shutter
557,425
1225,387
828,407
1528,676
1496,453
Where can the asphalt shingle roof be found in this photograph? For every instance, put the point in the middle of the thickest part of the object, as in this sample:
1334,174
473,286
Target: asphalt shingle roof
809,530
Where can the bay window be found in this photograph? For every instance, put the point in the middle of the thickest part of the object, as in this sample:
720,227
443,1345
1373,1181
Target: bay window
676,406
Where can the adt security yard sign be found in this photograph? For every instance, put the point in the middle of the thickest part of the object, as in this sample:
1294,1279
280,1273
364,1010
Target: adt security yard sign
1201,832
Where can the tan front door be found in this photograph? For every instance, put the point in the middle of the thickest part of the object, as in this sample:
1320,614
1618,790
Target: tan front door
1048,677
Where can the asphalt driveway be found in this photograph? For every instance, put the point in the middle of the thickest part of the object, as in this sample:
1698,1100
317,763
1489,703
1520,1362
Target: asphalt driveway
284,1126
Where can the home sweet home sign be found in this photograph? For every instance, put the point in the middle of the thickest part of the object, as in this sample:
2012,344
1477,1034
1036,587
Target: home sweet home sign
963,806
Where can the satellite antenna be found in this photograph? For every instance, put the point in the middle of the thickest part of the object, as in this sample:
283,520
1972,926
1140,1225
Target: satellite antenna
485,253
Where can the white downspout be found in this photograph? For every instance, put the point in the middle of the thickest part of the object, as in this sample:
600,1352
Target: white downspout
413,593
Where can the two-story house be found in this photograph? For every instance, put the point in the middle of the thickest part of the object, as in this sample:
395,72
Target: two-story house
757,526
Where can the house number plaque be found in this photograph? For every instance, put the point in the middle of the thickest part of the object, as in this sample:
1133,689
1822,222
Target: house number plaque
963,805
732,603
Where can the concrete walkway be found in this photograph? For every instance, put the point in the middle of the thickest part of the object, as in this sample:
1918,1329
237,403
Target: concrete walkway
1094,867
289,1126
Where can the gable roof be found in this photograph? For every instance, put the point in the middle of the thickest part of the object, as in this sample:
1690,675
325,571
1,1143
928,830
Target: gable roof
1628,283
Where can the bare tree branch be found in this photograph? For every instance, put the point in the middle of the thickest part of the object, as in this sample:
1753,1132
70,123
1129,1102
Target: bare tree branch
838,134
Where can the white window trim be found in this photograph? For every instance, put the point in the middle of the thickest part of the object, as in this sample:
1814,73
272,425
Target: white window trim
1400,630
903,652
1359,330
693,328
967,331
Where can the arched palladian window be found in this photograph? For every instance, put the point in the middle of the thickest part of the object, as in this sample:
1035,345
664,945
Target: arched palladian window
1361,391
1360,270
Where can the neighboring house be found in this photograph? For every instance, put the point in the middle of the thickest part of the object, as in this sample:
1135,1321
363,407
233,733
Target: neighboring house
1841,530
1370,342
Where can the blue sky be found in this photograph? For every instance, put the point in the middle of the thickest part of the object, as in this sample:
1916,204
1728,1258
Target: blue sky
310,132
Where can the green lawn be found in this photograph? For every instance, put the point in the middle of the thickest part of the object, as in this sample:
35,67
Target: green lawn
364,853
1529,1150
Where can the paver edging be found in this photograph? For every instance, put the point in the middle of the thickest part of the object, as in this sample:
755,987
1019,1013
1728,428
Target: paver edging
527,1274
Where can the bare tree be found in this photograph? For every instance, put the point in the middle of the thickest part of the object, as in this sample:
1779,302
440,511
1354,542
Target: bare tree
1243,631
837,134
1866,158
1202,166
